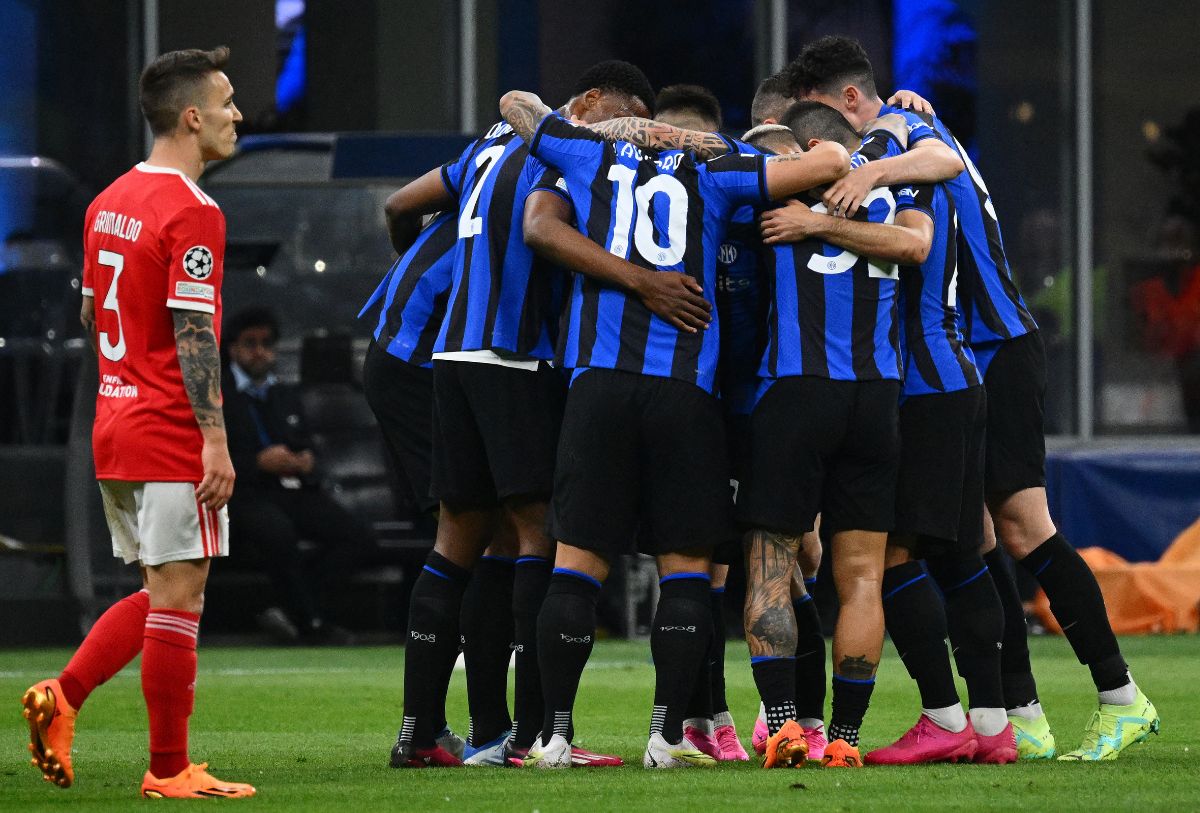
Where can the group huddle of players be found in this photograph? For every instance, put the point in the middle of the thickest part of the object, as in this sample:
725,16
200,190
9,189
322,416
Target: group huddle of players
605,315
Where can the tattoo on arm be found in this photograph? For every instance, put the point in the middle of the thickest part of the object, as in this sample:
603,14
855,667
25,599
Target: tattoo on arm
769,620
856,667
658,136
200,362
523,112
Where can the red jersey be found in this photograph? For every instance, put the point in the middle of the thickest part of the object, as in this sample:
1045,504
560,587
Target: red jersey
153,242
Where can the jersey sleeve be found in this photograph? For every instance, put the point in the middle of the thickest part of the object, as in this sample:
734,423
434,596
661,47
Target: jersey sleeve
875,145
920,126
454,171
919,197
541,178
560,144
195,243
740,178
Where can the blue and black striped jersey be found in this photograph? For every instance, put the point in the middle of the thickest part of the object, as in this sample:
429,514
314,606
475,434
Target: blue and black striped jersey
936,359
833,313
660,210
413,294
502,297
993,307
741,307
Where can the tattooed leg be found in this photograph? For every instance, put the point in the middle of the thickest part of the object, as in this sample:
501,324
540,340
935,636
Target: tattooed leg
858,637
771,623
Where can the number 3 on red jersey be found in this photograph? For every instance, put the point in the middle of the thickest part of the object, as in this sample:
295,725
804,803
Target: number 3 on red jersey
113,352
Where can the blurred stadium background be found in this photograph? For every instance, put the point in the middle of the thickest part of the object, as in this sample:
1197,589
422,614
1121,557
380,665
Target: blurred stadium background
1082,113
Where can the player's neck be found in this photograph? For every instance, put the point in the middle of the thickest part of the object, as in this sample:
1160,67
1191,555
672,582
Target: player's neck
174,154
871,108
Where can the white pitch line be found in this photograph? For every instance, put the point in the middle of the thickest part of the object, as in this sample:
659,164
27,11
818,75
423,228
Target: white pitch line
304,670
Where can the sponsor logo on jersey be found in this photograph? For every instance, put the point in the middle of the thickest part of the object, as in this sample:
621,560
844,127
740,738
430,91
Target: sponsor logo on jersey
196,290
198,262
111,386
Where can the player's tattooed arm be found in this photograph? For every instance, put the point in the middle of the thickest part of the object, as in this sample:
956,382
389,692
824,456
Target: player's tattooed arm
523,112
200,363
655,135
769,620
791,174
87,317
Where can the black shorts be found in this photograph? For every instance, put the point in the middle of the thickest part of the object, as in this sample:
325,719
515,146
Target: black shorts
1015,378
401,396
939,494
827,447
495,432
737,435
640,458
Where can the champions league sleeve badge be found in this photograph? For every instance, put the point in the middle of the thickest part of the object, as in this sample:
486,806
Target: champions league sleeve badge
198,262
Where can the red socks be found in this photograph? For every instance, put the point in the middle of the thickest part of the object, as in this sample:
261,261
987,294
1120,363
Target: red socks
169,684
114,640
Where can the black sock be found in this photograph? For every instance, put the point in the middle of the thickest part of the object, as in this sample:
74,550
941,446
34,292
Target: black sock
975,622
529,591
679,643
431,647
810,660
1016,673
1078,606
916,621
850,701
776,682
487,631
700,704
716,655
565,633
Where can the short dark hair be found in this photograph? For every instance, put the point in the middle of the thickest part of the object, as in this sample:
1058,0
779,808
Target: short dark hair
243,320
693,98
809,120
772,98
828,65
169,84
619,76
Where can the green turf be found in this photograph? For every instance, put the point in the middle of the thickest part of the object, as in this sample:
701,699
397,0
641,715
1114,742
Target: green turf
312,730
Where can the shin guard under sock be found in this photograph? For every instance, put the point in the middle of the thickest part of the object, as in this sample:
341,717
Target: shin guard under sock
486,634
679,643
169,686
1078,606
113,641
916,621
529,591
716,655
566,631
1016,673
775,679
975,624
432,645
810,660
850,701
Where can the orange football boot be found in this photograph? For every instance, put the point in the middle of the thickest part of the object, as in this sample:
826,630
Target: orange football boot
786,748
51,731
841,754
193,782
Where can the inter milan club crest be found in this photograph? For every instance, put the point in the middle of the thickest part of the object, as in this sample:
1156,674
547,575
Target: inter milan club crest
198,262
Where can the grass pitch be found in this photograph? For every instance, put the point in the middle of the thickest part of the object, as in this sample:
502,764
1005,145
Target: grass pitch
312,730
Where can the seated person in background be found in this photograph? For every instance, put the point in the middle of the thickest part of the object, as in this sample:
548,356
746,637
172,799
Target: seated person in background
279,499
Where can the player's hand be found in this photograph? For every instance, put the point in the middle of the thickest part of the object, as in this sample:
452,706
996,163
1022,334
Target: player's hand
277,459
216,488
675,298
789,223
305,461
843,197
911,101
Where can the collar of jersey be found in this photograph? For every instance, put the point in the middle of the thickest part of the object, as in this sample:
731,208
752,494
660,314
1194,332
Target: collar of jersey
142,166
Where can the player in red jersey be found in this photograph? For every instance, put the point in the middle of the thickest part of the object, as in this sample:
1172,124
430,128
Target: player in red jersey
154,246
